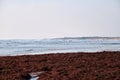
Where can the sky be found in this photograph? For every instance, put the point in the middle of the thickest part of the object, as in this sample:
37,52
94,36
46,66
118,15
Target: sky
36,19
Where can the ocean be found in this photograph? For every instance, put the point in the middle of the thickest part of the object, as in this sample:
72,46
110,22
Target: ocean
57,45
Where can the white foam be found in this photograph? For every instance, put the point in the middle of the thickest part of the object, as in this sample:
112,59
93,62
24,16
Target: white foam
64,51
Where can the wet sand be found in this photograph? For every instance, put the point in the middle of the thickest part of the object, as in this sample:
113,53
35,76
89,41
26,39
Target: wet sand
62,66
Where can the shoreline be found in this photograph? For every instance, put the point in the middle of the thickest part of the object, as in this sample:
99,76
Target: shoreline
57,52
62,66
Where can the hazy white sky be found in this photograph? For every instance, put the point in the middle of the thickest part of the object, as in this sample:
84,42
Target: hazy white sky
21,19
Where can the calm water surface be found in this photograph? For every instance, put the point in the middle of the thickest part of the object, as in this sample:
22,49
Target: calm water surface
18,47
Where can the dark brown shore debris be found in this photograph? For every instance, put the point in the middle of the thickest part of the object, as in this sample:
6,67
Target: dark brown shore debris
70,66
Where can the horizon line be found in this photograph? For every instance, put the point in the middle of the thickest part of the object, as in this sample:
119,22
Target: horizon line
85,37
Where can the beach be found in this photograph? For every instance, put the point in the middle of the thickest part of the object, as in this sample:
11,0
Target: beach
62,66
60,40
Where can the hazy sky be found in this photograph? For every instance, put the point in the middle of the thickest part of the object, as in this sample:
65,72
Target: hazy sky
21,19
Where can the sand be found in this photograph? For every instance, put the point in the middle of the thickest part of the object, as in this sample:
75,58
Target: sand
62,66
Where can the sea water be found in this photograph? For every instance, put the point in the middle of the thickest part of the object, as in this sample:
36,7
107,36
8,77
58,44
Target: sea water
38,46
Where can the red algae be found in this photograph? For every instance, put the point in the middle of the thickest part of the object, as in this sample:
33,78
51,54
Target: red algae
62,66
